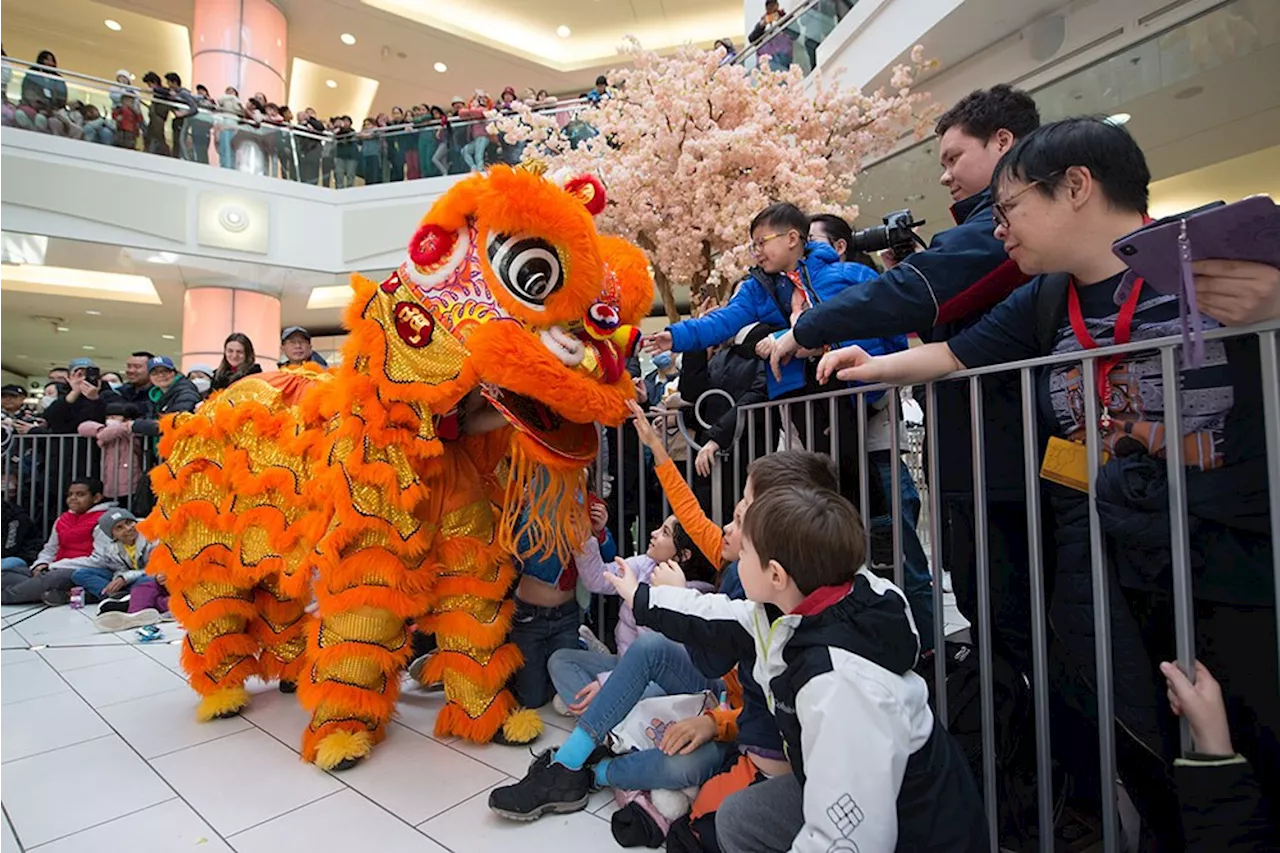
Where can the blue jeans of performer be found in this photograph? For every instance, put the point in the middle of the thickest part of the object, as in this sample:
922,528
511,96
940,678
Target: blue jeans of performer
539,633
916,580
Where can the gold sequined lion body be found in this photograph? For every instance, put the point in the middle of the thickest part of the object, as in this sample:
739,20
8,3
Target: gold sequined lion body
394,487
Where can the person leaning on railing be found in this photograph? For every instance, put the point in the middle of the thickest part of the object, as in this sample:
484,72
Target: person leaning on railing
1065,194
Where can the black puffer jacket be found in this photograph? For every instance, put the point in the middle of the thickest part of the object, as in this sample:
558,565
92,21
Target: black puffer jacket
734,370
223,380
22,538
181,396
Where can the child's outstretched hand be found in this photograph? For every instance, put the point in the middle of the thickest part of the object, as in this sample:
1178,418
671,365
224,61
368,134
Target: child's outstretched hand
668,574
1201,703
625,582
599,517
646,433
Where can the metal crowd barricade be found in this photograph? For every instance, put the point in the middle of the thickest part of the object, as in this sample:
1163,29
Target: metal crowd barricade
37,469
777,419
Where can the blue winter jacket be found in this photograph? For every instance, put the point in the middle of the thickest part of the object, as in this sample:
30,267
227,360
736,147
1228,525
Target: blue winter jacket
753,304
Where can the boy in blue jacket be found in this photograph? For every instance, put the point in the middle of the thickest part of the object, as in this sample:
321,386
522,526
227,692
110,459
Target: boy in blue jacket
791,276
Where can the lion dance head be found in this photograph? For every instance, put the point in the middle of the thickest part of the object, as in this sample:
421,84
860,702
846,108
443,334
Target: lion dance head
509,299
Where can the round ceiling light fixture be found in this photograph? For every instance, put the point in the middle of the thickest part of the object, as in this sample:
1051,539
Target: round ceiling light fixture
114,26
440,67
168,337
62,328
233,219
88,347
1119,119
332,84
347,39
93,313
563,31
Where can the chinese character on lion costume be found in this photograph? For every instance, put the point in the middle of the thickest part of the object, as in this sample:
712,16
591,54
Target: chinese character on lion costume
396,486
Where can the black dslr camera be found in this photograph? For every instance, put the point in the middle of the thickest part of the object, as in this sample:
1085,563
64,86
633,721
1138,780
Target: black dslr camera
896,234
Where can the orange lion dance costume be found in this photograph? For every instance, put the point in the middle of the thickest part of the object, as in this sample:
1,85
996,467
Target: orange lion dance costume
398,483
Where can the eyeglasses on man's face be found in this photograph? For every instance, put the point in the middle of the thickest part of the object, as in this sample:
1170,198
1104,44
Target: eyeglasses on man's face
757,245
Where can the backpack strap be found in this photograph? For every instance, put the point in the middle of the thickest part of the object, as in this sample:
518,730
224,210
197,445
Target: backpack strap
1051,309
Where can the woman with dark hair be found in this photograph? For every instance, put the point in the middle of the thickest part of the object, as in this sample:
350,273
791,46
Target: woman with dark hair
44,97
238,361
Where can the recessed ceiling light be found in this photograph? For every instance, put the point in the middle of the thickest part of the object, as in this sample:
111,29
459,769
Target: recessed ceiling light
332,84
114,26
93,313
563,31
1119,119
88,346
24,356
168,337
441,67
162,258
62,328
347,38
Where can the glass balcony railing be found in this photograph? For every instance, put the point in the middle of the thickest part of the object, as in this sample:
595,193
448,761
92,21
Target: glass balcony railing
793,38
230,134
234,135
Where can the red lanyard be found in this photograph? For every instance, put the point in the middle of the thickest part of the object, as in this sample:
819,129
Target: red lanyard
1124,328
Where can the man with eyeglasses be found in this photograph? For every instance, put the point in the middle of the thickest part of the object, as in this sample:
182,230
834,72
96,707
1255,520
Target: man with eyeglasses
938,292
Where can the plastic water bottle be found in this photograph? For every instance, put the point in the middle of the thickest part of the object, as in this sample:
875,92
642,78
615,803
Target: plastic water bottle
77,598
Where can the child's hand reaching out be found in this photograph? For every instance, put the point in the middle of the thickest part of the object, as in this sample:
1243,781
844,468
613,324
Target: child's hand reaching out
625,582
1201,703
668,574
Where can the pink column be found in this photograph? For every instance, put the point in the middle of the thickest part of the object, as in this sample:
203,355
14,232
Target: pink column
210,314
241,43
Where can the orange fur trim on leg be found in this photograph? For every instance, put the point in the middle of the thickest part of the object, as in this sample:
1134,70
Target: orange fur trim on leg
484,635
453,720
491,676
345,700
311,738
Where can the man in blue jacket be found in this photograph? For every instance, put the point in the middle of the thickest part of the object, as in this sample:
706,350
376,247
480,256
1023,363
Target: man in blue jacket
936,293
793,276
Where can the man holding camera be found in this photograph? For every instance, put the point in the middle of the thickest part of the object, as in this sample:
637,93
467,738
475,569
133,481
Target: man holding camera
936,293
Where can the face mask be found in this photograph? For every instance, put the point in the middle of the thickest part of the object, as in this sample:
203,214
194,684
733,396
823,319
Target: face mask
46,402
202,385
116,386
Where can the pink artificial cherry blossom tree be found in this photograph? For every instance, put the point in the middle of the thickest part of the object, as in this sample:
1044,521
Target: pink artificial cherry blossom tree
690,150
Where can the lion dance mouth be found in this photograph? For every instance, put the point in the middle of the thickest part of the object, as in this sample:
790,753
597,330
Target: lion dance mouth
372,479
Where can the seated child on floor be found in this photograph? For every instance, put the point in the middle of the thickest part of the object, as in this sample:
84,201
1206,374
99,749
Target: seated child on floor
119,558
71,542
577,673
561,780
872,769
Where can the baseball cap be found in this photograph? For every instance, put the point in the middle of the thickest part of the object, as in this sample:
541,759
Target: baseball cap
81,363
293,330
112,517
160,361
13,390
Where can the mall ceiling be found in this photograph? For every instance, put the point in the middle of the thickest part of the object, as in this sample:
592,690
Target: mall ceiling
1201,94
486,44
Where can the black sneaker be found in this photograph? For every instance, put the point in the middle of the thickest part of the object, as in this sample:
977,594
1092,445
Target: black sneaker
547,787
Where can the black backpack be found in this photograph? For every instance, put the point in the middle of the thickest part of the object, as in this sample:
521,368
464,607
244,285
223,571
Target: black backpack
1014,732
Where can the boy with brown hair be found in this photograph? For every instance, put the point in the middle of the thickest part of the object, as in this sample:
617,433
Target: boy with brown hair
872,769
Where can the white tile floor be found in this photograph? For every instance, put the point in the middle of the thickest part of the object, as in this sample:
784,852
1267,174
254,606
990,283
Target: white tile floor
100,752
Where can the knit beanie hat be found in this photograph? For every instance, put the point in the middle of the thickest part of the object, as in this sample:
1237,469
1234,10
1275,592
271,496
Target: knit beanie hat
107,523
633,826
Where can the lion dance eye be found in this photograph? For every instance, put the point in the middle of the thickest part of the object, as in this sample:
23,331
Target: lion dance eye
529,267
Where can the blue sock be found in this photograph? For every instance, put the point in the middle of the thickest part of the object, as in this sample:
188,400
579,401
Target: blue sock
576,750
602,773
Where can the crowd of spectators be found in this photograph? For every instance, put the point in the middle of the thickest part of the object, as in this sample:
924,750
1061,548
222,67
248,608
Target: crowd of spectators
256,135
165,117
840,742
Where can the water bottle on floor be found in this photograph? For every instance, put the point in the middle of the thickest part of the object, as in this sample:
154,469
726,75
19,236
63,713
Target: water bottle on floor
77,598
